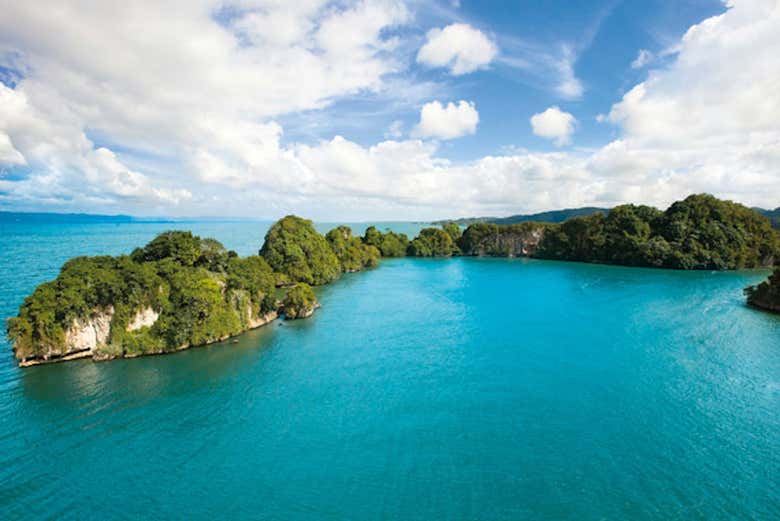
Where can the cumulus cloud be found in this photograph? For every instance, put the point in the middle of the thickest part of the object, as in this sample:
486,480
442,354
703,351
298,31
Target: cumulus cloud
191,113
554,124
187,101
447,121
459,47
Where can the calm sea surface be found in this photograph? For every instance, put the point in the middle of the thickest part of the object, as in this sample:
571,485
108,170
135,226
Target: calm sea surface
425,389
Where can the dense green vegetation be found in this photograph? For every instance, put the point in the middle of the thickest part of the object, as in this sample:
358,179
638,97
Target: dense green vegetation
767,294
299,302
700,232
432,242
201,291
352,253
294,248
194,289
390,244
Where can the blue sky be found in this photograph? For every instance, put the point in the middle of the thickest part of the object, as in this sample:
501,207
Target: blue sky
386,109
605,37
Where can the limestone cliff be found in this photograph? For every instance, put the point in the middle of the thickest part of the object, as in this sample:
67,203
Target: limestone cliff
485,239
145,317
83,337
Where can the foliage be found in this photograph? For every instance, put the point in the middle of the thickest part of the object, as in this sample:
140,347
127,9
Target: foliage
185,249
85,284
700,232
299,302
432,242
475,235
352,253
201,291
390,244
453,230
293,247
198,312
578,239
255,276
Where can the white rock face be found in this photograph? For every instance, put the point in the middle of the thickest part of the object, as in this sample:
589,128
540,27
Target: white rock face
143,318
261,320
87,334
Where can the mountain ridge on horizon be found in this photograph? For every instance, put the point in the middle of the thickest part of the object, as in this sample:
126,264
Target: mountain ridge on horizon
551,216
558,216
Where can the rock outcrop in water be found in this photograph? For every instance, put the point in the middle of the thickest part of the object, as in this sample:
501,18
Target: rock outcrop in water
767,294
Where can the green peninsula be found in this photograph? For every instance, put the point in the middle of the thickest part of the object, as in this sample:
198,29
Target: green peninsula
181,290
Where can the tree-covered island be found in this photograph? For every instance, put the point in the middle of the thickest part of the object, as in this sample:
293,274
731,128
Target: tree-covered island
181,290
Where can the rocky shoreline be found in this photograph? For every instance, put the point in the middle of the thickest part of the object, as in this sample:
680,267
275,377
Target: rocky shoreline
100,356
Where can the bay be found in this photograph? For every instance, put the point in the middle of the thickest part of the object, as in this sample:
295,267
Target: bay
423,389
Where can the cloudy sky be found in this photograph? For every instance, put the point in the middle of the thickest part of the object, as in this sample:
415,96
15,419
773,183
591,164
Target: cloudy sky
385,109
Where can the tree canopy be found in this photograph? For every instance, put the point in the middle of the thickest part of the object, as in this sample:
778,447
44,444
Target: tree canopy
432,242
299,302
352,253
390,244
293,247
700,232
200,291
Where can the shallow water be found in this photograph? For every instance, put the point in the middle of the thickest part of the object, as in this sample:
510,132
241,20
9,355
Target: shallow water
424,389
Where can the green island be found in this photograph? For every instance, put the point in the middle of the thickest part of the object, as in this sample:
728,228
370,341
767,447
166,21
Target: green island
181,290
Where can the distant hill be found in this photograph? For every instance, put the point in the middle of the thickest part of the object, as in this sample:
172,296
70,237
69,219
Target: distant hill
465,221
558,216
772,215
87,218
46,217
554,216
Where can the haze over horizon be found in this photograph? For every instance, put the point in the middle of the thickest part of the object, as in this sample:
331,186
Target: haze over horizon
385,110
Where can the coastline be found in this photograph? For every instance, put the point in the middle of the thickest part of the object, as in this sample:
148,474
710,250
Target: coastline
261,321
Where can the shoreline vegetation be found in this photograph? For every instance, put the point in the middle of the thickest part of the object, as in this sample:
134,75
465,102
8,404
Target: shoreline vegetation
181,291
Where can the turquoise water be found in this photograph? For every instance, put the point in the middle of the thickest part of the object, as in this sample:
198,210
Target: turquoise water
424,389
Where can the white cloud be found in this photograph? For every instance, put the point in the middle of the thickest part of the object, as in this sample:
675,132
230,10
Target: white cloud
554,124
8,154
189,112
197,96
459,47
569,86
447,122
642,59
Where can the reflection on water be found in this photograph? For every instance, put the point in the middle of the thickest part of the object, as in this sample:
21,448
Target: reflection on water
146,378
